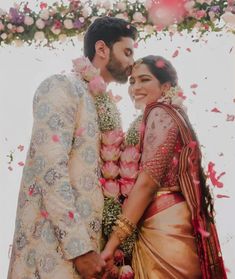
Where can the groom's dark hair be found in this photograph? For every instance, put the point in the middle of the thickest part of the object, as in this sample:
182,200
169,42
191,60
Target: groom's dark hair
108,29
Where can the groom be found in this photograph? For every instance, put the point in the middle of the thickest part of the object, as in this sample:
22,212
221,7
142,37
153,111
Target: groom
59,214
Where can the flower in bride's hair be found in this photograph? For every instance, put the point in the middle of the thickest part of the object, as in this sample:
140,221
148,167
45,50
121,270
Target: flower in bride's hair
114,137
110,170
130,154
126,186
111,189
126,272
97,85
128,170
110,153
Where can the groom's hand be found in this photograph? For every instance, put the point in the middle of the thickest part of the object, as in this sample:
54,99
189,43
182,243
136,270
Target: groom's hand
90,265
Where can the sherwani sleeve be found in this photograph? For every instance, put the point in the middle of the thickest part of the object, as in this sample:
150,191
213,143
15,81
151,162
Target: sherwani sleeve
159,142
55,110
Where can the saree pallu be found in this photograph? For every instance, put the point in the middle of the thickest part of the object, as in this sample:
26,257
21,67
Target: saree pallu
208,248
166,247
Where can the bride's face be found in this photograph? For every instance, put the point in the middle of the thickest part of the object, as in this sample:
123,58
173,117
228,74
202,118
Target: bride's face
144,87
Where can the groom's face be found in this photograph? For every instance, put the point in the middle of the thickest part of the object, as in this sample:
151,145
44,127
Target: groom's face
121,59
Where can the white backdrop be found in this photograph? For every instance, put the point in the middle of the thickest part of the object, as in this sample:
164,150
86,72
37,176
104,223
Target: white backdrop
209,64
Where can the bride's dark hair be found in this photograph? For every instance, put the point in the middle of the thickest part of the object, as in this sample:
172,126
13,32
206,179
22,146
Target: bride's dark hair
164,71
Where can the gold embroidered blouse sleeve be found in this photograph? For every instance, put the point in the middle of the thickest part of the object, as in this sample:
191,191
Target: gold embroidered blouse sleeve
159,141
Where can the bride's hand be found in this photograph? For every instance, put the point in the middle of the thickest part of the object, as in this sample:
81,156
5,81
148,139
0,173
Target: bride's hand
107,254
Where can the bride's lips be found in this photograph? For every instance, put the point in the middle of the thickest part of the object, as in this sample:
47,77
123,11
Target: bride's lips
139,97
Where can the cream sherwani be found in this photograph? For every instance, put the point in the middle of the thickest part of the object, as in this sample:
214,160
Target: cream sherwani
60,202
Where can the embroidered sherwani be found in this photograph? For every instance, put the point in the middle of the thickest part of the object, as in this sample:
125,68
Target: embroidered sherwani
60,203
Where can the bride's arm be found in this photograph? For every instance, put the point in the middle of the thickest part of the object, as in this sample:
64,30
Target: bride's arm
133,209
159,142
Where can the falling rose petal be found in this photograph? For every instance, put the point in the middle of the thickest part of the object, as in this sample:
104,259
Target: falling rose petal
102,181
219,196
231,49
181,95
71,215
230,117
212,175
43,5
80,131
194,93
175,54
188,49
194,85
227,270
20,147
192,144
160,64
128,26
44,213
21,164
55,138
116,98
216,110
135,45
222,173
175,161
203,232
221,154
10,168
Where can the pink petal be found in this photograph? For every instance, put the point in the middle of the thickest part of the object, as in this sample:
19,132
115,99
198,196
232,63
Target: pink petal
44,213
102,181
115,98
194,85
71,215
21,164
79,131
20,147
188,49
203,232
10,168
175,54
55,138
215,110
222,173
181,95
135,45
160,64
230,117
227,270
219,196
192,144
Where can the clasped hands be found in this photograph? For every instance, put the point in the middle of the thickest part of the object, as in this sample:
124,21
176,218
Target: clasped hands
94,266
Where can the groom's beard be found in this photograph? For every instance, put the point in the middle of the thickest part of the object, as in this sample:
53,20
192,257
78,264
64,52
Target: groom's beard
115,68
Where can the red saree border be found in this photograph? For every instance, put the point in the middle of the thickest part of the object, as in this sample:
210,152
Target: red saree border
161,203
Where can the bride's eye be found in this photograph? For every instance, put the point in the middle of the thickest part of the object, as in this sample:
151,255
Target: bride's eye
145,80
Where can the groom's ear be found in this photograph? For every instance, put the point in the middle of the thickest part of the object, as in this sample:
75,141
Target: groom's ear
102,50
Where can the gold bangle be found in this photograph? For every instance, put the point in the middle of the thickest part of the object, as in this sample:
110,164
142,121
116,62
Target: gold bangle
120,233
126,221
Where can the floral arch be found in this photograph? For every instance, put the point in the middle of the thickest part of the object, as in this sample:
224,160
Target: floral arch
63,22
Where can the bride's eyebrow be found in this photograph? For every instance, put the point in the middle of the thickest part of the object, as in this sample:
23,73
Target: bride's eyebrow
144,75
